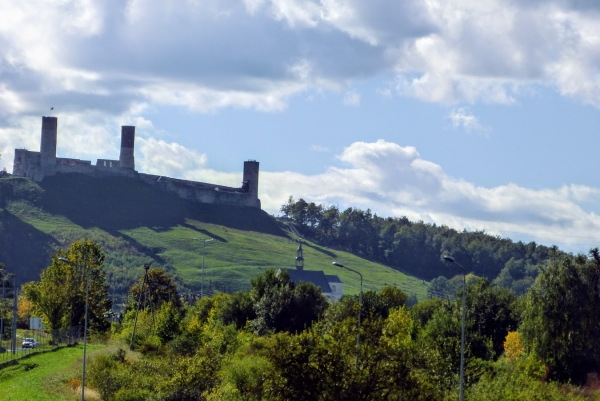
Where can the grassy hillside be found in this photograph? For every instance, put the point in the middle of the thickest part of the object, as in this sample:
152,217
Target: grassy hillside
136,224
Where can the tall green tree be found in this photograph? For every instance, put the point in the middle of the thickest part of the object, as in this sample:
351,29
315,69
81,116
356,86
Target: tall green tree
86,262
281,305
561,318
50,296
60,295
155,288
490,315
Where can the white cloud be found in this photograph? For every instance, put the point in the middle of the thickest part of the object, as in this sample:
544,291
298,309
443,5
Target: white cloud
393,180
110,54
317,148
463,118
352,98
168,159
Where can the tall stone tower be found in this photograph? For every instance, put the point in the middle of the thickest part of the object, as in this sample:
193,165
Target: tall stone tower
48,146
126,159
251,177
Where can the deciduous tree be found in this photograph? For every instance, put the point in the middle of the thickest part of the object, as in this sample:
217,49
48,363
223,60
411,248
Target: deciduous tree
156,288
281,305
561,319
60,295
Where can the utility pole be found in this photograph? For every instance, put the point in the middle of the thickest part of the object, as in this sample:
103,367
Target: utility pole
146,267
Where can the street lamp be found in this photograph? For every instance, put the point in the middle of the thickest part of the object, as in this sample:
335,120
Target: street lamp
87,293
450,259
359,309
203,253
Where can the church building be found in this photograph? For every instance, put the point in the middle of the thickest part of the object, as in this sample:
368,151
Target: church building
331,285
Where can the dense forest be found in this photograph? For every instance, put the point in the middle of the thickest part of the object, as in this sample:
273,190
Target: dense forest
417,247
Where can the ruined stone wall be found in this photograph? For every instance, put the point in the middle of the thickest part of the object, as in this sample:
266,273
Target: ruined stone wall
27,164
201,192
103,168
65,165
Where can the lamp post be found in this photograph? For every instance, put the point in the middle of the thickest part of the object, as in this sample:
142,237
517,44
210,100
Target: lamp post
450,259
203,253
87,293
359,310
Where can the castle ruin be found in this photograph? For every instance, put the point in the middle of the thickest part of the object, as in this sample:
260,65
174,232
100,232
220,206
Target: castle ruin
37,165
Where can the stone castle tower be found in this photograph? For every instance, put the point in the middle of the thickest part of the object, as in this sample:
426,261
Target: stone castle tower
126,159
48,145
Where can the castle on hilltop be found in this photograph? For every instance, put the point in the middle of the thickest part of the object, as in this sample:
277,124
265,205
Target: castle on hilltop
38,165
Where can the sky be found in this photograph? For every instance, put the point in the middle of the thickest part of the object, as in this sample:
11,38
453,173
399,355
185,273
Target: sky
475,114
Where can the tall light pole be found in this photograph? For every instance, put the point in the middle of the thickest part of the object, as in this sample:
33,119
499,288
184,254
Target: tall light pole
359,310
450,259
203,253
85,326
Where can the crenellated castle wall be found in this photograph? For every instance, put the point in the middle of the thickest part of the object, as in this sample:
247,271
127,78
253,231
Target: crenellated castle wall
37,165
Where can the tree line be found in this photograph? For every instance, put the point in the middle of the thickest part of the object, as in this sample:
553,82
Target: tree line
417,247
283,340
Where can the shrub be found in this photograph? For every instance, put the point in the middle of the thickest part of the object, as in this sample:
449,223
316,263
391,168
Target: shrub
183,345
103,375
247,375
510,382
150,345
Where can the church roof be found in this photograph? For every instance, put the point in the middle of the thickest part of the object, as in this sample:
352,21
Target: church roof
332,278
317,277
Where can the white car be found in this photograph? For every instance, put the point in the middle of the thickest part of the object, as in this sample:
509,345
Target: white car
30,343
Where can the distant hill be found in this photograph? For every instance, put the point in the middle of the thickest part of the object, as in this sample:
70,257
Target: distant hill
136,224
417,248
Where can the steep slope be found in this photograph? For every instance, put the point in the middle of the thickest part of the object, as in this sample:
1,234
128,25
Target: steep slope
136,224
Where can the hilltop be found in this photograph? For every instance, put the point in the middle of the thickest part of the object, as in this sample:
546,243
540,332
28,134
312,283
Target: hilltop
136,224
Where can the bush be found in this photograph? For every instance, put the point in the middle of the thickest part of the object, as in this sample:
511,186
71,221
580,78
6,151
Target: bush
247,375
509,381
104,375
183,345
150,345
167,322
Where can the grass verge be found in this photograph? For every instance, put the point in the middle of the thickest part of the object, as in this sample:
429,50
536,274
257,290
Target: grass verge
50,376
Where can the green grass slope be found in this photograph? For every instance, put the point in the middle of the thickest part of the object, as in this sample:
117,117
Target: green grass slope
136,224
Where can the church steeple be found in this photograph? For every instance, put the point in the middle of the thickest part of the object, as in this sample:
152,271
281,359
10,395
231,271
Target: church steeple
299,259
